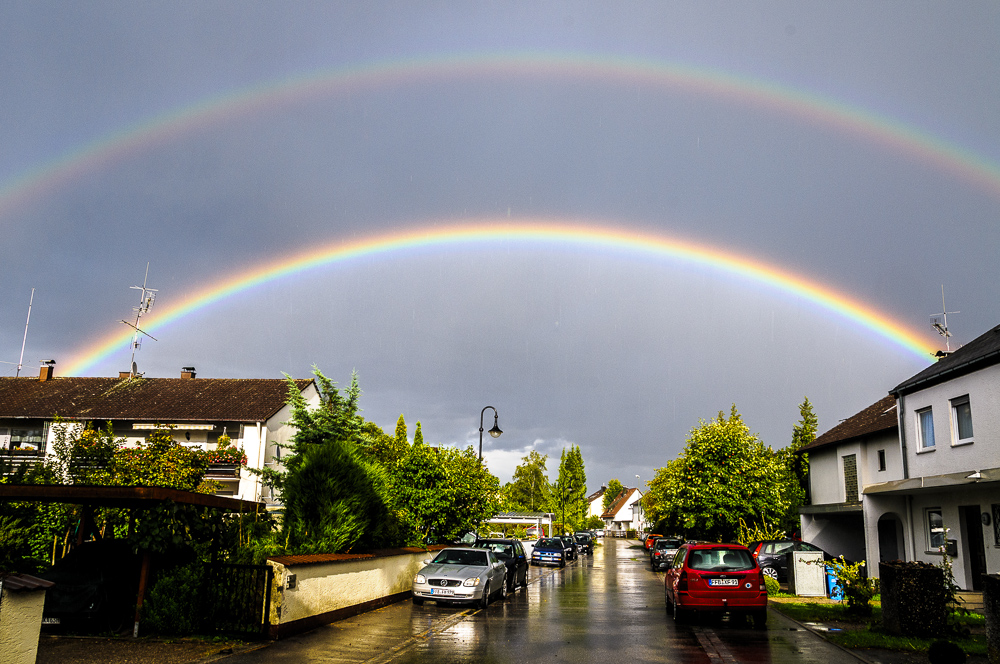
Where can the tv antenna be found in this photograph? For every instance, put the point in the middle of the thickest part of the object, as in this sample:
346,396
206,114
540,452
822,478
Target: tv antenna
20,361
940,322
146,299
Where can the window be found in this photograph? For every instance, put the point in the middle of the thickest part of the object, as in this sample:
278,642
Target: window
925,428
961,421
27,441
996,524
935,529
881,460
851,478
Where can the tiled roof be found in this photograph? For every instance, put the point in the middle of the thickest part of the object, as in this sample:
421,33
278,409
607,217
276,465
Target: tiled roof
981,352
18,582
880,416
152,399
622,498
597,494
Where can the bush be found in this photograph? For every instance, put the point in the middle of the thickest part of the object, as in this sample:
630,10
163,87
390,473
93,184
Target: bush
773,588
172,606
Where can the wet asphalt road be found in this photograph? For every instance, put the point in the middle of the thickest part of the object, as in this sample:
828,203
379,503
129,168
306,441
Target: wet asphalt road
604,608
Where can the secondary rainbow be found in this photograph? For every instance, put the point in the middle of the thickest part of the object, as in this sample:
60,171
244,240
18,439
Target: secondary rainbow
963,163
547,233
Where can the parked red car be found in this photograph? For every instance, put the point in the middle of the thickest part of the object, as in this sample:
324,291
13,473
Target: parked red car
649,539
715,578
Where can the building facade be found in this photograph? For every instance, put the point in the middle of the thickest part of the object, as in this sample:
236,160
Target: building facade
197,411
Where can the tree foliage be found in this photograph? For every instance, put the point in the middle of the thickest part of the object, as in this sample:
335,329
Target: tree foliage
529,490
613,490
569,492
724,474
796,465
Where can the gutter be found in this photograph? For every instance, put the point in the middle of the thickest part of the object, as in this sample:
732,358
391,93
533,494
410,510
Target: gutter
902,435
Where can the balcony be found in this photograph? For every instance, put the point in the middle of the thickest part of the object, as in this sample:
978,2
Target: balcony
223,471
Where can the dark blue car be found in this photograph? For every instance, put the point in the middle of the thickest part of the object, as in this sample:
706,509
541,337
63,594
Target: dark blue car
549,551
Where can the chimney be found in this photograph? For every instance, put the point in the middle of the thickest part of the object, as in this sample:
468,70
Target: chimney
124,374
188,373
46,371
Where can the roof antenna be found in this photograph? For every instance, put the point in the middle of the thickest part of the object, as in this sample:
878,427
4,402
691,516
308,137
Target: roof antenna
145,302
940,323
20,361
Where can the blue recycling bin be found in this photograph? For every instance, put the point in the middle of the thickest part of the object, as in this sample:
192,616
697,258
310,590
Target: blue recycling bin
833,589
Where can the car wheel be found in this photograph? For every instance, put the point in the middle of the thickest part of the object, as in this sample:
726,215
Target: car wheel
681,615
503,589
524,579
485,599
512,583
418,600
769,572
759,619
562,563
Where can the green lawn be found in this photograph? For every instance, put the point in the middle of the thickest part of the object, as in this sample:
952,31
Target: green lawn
858,632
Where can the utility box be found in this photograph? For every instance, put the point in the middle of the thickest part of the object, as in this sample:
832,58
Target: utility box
806,573
22,599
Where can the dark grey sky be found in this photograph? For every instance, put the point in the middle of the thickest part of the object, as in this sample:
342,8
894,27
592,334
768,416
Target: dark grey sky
614,352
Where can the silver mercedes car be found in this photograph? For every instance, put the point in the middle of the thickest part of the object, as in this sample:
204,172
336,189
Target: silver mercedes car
461,575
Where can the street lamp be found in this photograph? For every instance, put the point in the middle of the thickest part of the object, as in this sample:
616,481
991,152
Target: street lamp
495,431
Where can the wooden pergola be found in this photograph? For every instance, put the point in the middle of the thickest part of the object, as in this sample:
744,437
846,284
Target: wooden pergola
123,497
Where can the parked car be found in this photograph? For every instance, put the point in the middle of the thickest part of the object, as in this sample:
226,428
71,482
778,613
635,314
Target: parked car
511,553
572,550
772,555
584,542
648,541
663,551
707,577
549,551
461,575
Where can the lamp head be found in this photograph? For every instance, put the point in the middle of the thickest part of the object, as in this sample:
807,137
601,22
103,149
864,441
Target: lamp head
495,431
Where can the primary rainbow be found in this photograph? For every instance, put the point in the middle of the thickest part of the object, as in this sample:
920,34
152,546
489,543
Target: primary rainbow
966,165
529,232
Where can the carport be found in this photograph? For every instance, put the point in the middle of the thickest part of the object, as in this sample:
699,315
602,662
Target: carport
122,497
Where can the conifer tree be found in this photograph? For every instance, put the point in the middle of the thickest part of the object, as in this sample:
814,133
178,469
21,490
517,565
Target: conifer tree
401,431
418,435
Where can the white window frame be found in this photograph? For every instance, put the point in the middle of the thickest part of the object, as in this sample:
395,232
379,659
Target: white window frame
882,463
957,403
922,431
931,547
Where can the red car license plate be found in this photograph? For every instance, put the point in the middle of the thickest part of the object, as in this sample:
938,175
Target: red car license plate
723,582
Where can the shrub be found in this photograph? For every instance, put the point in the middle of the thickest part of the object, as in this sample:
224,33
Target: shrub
857,587
172,606
773,588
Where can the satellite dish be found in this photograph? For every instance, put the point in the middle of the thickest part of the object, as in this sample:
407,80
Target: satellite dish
135,369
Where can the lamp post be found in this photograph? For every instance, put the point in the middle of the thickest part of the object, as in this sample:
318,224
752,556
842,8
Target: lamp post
495,431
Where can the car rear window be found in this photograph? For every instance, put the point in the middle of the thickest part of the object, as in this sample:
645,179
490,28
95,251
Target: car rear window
499,548
720,560
667,543
550,542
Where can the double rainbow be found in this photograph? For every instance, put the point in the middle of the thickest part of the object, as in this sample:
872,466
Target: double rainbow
546,233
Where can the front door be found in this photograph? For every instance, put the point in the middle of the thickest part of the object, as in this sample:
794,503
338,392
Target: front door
974,545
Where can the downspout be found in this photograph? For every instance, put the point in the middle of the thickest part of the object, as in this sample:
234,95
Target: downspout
900,418
258,489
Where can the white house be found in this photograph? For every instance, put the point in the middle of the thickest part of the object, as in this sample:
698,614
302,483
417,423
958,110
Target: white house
595,502
884,489
620,516
251,412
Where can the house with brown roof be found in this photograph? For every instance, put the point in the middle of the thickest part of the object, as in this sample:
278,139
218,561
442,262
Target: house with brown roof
861,450
251,412
595,502
621,515
918,473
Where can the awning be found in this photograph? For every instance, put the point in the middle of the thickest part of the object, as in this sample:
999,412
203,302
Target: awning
966,478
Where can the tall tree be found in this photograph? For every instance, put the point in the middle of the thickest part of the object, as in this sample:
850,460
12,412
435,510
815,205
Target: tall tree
401,431
612,492
529,490
570,488
418,435
724,474
796,463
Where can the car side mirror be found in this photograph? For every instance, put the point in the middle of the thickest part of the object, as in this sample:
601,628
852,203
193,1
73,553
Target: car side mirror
425,562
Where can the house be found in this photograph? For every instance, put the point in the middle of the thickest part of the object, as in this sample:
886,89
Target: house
251,412
861,450
595,502
917,473
949,437
619,517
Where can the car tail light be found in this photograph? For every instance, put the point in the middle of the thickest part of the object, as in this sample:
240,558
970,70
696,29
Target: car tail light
682,580
763,586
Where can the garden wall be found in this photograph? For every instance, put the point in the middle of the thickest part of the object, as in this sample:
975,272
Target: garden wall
313,590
